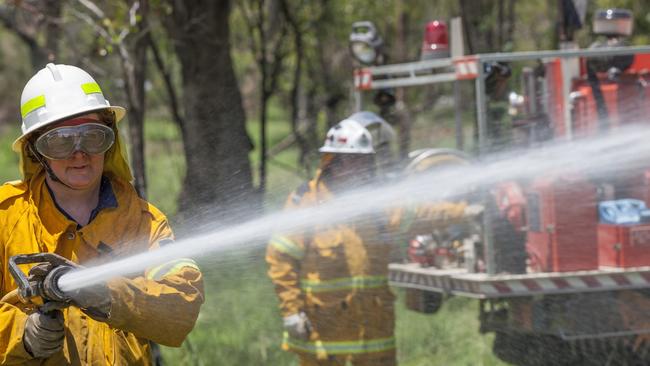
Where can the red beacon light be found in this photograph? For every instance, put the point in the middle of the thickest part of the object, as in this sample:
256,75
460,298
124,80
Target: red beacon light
436,41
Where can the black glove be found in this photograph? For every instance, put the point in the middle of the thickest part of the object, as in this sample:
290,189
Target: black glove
44,334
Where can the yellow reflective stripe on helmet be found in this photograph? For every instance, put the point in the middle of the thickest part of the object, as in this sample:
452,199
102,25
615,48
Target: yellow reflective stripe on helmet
287,246
341,347
90,88
345,283
32,104
170,268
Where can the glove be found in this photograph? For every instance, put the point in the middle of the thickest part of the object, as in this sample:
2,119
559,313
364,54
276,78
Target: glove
298,326
44,334
473,210
94,300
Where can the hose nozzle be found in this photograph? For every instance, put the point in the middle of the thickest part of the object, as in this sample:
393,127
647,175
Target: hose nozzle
45,287
50,285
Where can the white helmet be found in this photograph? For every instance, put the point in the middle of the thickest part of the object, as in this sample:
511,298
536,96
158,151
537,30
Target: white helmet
57,92
361,133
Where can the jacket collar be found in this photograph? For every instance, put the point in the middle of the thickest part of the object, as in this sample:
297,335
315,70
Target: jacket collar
107,199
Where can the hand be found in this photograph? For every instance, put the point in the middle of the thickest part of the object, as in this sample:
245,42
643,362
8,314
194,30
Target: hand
94,300
44,334
298,326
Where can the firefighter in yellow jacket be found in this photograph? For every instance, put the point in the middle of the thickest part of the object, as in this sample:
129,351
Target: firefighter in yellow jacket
332,280
76,200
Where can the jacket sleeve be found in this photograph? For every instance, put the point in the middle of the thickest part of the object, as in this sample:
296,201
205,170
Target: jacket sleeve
163,310
12,326
284,255
163,304
425,217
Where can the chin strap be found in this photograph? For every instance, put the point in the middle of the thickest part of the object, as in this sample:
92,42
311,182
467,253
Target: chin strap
45,165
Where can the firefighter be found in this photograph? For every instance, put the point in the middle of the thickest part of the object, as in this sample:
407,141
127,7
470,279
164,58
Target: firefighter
331,280
76,199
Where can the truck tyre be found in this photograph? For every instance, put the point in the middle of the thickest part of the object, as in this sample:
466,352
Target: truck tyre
524,349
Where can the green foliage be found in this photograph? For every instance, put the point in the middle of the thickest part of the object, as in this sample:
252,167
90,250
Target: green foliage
283,172
448,337
8,159
240,322
165,163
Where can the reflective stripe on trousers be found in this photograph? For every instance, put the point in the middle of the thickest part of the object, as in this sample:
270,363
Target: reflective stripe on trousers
344,283
340,347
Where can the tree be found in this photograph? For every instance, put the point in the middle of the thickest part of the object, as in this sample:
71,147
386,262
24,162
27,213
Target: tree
267,24
32,22
216,144
126,30
297,30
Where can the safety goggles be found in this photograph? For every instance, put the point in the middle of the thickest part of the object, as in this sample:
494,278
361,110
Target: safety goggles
60,143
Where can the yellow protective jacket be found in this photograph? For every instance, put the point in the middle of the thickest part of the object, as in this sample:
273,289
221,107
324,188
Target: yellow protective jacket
160,305
337,274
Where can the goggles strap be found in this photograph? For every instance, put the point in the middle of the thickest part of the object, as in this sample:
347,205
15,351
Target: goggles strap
45,165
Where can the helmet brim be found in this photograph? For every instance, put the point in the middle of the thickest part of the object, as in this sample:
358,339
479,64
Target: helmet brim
120,112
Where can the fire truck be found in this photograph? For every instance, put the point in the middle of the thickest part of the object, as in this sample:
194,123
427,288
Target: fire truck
561,266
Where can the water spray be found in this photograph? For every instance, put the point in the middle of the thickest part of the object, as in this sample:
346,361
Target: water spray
605,155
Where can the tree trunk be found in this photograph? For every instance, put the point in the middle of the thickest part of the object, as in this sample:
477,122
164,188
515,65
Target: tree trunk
500,25
216,144
311,115
172,96
333,90
402,114
296,83
475,14
27,33
263,146
133,57
52,10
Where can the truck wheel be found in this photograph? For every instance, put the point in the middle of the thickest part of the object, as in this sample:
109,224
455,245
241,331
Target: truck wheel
612,352
524,349
509,347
